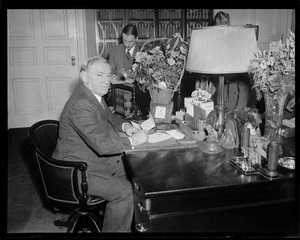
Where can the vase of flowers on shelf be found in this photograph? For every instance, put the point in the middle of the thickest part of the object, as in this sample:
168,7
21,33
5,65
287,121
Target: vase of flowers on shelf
158,68
274,78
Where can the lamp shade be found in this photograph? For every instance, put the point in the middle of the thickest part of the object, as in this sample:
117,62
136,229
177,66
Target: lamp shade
221,49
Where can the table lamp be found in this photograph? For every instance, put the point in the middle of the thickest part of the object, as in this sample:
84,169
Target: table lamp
221,50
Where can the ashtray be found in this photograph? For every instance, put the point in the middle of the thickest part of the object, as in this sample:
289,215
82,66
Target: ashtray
287,162
211,147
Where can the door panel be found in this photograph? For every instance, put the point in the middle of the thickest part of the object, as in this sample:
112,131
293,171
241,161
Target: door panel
41,74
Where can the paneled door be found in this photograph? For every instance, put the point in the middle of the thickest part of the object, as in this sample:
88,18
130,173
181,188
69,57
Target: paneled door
43,66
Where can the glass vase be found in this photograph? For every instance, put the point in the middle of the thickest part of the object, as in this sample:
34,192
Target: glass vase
274,108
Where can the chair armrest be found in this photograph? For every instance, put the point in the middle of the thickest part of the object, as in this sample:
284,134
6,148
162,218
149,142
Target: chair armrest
82,166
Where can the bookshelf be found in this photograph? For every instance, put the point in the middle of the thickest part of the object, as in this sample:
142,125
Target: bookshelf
150,23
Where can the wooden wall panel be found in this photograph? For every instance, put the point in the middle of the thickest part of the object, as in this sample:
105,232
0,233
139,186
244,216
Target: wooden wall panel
58,91
27,98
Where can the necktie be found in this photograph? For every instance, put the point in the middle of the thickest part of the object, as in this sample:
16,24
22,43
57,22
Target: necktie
102,105
128,55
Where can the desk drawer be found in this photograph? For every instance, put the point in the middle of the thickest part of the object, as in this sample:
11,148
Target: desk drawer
182,201
277,217
255,208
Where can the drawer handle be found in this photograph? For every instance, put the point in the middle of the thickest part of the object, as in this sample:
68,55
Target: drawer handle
141,207
137,187
140,227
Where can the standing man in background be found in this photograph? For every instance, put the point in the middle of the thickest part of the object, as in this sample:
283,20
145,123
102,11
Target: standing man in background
121,59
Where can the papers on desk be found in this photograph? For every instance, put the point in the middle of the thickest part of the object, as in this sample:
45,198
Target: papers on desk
146,125
176,134
158,137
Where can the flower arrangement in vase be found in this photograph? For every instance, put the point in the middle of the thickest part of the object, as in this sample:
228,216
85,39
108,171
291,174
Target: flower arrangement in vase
274,77
158,68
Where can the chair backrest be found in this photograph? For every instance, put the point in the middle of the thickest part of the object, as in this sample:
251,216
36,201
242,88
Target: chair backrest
44,136
60,178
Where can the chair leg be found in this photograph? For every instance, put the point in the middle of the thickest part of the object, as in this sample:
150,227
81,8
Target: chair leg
73,219
97,219
62,222
73,222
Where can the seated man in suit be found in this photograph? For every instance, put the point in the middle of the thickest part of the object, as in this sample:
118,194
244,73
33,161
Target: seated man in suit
121,58
88,132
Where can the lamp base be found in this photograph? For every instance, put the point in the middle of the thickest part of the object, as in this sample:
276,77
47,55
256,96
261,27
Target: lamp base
221,119
268,174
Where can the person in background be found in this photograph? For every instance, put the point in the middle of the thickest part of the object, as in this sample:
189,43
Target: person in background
221,18
121,56
236,86
88,132
121,59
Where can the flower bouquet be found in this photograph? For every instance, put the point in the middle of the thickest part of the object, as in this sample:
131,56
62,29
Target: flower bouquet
159,67
274,77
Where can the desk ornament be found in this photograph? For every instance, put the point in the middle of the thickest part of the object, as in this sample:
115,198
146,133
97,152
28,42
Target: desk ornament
272,161
250,148
243,161
287,162
211,147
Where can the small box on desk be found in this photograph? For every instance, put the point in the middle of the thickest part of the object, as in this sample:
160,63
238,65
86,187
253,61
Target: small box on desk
206,105
198,112
189,130
191,120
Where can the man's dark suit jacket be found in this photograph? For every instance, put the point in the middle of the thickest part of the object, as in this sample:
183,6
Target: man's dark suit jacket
118,59
89,133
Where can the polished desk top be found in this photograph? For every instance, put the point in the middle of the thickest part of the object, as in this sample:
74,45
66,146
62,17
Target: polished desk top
163,171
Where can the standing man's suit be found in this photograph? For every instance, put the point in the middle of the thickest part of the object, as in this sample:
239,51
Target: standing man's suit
88,132
117,61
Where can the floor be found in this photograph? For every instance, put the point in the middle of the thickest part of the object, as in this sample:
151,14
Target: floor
27,211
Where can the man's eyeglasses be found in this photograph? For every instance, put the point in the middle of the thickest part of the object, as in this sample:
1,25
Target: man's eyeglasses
103,75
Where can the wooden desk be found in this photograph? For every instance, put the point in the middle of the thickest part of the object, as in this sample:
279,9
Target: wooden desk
186,190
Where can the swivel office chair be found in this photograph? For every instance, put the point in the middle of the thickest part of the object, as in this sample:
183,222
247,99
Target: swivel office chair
61,180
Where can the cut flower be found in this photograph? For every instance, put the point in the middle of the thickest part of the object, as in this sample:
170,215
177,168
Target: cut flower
162,65
274,69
